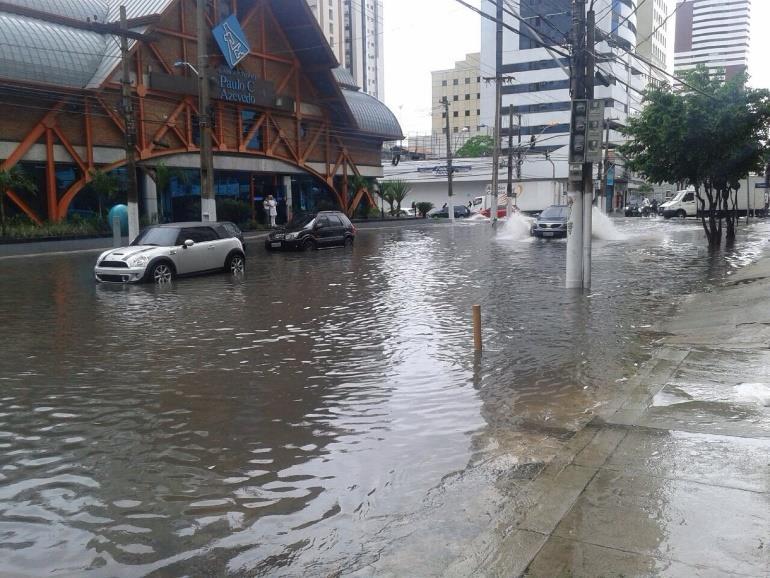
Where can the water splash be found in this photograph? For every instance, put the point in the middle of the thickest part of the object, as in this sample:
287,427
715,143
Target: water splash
604,229
758,393
477,217
515,228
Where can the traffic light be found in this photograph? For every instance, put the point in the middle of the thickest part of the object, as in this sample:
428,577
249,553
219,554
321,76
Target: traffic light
577,134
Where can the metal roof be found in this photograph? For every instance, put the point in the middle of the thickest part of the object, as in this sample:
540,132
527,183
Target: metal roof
372,116
38,51
344,78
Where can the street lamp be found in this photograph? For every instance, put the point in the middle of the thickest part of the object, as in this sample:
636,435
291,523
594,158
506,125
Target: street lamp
533,142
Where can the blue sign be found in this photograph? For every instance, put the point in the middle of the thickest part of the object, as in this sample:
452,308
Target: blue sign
231,40
611,176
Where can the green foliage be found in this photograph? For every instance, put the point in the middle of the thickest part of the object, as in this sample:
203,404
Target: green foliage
106,187
15,180
423,207
374,213
20,227
396,191
476,146
709,135
233,210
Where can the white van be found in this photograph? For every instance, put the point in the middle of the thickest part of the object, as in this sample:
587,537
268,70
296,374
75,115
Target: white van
682,205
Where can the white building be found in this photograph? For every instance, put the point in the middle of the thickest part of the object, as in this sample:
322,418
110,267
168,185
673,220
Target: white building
354,29
538,87
652,32
461,86
715,33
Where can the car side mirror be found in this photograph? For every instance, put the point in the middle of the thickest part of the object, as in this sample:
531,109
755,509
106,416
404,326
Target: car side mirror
188,243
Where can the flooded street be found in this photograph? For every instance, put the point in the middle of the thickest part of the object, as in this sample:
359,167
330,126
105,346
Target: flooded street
323,411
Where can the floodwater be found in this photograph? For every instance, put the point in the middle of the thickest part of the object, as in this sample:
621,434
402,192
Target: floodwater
323,412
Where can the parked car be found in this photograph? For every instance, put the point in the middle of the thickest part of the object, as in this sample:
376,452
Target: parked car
162,252
632,210
461,211
313,231
502,211
552,222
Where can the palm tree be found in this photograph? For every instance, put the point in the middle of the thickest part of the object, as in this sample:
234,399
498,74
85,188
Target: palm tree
399,190
386,192
13,179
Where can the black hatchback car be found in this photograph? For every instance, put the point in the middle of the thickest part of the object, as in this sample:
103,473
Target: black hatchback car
313,231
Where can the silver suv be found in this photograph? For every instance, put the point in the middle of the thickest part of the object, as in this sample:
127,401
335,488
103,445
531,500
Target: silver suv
161,252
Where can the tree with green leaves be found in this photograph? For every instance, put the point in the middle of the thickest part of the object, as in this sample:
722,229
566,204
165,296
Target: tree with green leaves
710,134
162,174
396,191
13,179
423,207
105,185
476,146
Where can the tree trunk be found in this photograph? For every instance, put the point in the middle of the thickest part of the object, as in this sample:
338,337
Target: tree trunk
731,214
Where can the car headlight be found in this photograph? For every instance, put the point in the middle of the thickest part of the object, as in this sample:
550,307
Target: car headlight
291,236
139,261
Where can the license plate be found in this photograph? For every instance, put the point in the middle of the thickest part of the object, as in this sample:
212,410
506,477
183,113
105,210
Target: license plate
278,244
547,233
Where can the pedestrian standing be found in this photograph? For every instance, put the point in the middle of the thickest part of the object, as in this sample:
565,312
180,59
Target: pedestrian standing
271,209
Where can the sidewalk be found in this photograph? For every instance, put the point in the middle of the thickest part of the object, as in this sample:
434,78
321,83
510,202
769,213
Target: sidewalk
674,480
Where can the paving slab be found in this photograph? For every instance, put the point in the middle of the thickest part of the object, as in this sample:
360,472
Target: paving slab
676,520
573,559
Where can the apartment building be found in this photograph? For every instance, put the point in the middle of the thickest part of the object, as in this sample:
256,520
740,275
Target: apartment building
460,85
652,31
715,33
537,81
354,31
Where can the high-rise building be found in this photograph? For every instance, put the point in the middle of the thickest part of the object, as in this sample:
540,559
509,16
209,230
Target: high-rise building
536,81
461,87
652,24
354,31
714,33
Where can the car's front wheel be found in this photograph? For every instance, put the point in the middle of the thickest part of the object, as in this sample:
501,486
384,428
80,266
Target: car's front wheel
160,272
348,242
236,264
308,245
681,214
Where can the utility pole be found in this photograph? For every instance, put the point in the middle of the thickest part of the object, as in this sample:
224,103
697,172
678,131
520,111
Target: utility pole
450,206
130,140
518,156
509,204
574,273
208,201
604,168
588,168
498,107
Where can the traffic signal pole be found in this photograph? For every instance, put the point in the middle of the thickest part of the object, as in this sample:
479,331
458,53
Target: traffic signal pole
588,168
449,170
574,273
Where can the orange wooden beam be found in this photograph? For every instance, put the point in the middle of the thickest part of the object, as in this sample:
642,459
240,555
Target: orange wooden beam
24,207
50,177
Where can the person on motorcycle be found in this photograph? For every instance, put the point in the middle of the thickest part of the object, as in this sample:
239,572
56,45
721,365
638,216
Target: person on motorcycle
646,207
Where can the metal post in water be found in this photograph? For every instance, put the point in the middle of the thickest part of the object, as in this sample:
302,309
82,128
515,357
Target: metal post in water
477,327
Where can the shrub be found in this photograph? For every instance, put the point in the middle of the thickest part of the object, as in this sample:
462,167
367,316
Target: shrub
233,210
423,207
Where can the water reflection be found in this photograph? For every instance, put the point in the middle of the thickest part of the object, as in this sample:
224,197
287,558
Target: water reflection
278,422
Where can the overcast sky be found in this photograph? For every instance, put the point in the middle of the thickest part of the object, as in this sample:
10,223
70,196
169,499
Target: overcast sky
425,35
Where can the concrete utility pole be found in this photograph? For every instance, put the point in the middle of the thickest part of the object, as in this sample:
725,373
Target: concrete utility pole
588,168
604,168
498,107
208,201
509,204
450,193
574,274
130,140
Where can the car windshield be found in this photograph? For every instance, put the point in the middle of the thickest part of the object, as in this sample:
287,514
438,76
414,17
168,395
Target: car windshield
554,213
300,221
159,236
679,196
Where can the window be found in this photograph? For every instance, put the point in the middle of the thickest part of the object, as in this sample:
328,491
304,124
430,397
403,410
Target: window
443,115
334,221
478,95
322,221
197,235
467,113
478,79
467,80
467,97
248,119
455,129
478,112
443,83
455,114
455,98
455,82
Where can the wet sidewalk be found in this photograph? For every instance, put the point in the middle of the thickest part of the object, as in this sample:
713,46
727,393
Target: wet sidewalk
674,479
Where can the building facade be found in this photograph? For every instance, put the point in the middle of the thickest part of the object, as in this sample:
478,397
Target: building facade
652,28
536,81
354,31
715,33
461,86
286,120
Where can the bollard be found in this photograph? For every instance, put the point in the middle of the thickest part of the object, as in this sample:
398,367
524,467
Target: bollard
477,327
117,238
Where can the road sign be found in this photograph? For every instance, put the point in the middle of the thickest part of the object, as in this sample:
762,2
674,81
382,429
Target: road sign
760,186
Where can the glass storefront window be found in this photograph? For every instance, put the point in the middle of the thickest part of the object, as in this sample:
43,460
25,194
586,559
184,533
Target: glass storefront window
248,118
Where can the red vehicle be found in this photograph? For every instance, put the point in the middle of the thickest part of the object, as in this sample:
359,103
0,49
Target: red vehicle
502,212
